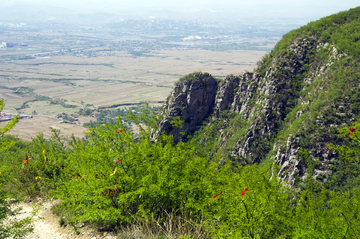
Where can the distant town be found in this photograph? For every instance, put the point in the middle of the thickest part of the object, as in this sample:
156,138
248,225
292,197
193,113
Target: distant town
137,37
10,116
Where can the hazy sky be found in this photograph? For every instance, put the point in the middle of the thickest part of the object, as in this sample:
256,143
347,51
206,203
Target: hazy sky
345,4
289,8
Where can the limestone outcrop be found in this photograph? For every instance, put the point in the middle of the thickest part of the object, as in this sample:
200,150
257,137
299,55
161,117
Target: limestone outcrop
192,101
269,114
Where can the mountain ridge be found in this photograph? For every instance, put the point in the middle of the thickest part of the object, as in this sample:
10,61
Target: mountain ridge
296,98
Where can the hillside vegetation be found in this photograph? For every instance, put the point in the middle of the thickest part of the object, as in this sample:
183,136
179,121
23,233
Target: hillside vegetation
178,190
180,179
296,98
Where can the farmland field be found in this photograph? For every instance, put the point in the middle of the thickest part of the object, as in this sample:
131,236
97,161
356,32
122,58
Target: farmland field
114,79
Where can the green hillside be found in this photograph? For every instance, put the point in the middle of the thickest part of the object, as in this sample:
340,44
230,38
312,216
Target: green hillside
300,94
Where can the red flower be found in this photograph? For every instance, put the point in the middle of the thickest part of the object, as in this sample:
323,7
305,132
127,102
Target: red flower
351,130
27,153
119,161
242,194
120,130
217,195
14,168
39,195
110,191
9,189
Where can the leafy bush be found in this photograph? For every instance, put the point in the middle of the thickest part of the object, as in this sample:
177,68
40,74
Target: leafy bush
15,229
110,179
116,181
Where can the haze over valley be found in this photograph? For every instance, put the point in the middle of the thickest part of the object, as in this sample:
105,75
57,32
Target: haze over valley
65,63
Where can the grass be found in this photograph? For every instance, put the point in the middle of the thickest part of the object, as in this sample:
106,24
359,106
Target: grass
173,227
167,225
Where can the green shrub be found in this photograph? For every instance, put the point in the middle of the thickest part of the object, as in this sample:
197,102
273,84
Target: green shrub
14,229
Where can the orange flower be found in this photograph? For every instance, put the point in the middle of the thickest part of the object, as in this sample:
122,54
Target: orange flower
242,194
351,130
217,195
24,162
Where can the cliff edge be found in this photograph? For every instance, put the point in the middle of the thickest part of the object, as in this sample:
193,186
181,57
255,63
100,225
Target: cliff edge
296,98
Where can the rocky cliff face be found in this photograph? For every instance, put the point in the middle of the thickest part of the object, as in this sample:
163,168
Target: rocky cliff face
191,101
292,100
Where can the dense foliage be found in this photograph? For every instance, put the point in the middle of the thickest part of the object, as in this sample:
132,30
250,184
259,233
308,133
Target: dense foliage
112,180
15,229
109,116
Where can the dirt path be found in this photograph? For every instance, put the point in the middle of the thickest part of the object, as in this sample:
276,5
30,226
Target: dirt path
48,226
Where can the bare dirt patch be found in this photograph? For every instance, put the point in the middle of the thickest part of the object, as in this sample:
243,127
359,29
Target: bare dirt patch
48,225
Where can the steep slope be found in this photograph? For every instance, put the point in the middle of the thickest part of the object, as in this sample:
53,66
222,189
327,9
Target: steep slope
296,98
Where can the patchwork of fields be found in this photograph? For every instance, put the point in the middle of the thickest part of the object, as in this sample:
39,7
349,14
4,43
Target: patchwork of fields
120,79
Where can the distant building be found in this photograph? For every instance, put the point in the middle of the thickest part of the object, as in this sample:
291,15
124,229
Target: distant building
191,38
11,45
9,116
